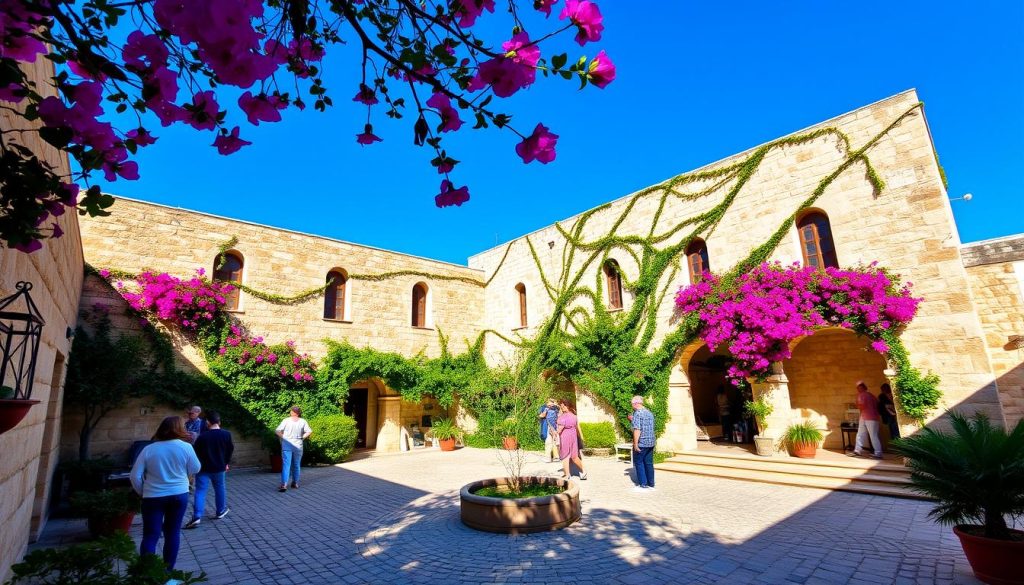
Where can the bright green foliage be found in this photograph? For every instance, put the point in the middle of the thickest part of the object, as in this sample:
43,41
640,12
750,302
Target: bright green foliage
598,435
445,429
976,473
915,394
527,490
113,560
802,433
334,437
760,409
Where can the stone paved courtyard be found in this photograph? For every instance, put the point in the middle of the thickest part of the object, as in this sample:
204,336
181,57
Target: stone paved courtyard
395,519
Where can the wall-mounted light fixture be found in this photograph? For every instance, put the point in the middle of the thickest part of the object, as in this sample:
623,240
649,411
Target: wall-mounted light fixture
20,333
966,197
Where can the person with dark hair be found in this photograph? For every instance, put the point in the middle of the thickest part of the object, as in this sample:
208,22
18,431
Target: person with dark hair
887,410
724,412
160,476
292,431
867,426
568,440
214,449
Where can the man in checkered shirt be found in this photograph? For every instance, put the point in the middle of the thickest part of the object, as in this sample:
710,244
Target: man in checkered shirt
643,446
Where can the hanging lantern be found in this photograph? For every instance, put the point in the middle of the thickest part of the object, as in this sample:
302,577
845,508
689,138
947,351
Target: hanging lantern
20,333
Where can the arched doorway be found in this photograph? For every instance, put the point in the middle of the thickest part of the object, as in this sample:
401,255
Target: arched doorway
823,374
706,372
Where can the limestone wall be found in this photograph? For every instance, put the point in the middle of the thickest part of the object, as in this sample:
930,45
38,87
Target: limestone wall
143,235
906,227
29,450
996,272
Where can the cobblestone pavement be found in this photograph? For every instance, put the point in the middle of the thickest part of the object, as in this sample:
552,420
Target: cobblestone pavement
395,519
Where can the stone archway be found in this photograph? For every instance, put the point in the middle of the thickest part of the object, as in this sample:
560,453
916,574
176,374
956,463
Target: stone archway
706,371
823,373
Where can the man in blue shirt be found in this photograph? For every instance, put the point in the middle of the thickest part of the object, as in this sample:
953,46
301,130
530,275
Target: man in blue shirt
548,416
643,446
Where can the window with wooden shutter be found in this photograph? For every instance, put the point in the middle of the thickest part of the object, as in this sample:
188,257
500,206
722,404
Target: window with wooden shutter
227,267
614,282
816,242
334,296
697,260
521,293
419,305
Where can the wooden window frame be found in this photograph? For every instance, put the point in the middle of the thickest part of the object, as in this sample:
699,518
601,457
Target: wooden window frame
523,316
233,299
697,251
806,222
335,296
419,306
613,280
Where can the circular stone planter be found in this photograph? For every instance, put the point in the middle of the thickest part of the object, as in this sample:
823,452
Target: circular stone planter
520,515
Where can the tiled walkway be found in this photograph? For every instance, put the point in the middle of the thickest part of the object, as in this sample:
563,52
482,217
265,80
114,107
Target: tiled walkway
395,519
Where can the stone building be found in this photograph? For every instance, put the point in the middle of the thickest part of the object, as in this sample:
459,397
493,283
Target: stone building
863,187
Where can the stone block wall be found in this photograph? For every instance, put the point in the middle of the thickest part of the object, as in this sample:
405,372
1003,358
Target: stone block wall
907,227
29,450
996,272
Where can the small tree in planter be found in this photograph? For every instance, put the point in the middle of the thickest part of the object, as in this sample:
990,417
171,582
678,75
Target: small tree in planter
976,474
761,409
803,437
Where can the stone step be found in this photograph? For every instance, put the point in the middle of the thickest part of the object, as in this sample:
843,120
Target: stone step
888,473
831,460
874,485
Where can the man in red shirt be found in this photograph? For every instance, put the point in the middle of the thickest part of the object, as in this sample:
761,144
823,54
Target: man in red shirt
869,421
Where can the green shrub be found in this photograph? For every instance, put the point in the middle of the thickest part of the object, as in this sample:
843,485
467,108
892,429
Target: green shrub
445,429
334,437
106,503
661,456
802,433
760,409
598,435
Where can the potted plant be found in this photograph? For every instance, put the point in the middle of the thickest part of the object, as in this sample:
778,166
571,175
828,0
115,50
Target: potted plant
108,511
803,438
272,443
509,442
976,475
446,432
761,409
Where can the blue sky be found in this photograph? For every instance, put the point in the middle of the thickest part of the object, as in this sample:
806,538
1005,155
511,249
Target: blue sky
696,82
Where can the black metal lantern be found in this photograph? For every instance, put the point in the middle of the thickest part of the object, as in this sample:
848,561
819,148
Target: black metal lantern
20,333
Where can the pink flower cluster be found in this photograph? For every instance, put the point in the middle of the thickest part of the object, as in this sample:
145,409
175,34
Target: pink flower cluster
186,303
247,350
771,306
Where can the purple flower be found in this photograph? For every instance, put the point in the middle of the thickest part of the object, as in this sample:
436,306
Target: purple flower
587,18
538,146
229,143
367,137
601,70
449,195
366,95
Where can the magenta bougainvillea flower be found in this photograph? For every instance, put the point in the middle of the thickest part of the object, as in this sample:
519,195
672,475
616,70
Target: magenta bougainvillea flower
367,137
544,6
365,95
602,70
768,308
450,120
587,18
538,146
260,108
229,143
141,137
185,303
449,195
469,10
202,114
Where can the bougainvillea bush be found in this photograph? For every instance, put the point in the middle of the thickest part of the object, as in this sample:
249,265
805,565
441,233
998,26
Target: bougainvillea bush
763,311
127,69
188,304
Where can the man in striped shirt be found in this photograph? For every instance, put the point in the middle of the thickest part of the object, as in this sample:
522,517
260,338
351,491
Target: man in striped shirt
643,446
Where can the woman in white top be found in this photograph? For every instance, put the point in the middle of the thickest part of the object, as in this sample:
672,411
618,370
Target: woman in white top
292,431
160,476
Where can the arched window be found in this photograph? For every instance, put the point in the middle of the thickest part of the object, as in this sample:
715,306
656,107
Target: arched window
334,295
816,240
521,294
613,279
697,260
419,305
227,267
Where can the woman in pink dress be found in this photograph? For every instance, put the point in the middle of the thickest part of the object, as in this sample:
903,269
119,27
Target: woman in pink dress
568,445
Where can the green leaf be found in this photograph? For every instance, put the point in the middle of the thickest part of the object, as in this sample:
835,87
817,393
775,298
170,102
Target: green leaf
559,61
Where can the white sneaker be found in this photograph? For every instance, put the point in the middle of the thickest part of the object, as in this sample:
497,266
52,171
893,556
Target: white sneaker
650,488
639,489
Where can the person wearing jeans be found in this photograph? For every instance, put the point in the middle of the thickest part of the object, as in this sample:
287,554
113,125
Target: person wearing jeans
214,448
292,431
160,476
643,445
869,422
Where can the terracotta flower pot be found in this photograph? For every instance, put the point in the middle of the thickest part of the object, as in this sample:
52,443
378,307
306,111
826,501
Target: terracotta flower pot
447,444
100,526
510,443
12,411
805,450
276,463
997,562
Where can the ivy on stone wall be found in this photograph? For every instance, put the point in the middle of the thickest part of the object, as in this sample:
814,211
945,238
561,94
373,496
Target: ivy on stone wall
610,353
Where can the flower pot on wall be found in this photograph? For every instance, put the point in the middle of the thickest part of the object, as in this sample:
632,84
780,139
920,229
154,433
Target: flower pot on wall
447,444
12,411
997,562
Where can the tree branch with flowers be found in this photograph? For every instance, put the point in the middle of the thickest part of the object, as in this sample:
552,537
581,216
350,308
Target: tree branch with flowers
126,67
